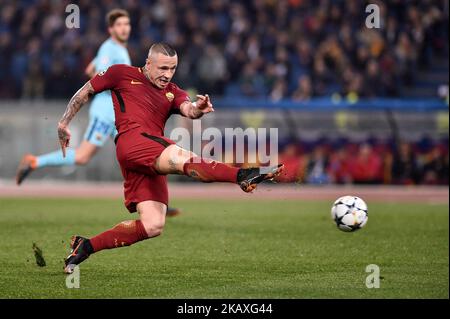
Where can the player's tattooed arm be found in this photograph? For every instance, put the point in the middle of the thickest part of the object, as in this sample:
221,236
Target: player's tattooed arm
76,102
196,110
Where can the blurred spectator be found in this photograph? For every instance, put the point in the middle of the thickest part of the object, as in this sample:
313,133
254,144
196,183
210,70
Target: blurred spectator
251,83
212,70
279,90
339,168
321,78
294,164
366,168
353,85
34,83
316,170
406,55
404,165
304,90
435,168
56,86
373,83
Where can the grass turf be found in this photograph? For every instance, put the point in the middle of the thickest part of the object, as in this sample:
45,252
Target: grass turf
228,249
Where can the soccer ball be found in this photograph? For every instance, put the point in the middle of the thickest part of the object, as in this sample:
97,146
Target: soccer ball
349,213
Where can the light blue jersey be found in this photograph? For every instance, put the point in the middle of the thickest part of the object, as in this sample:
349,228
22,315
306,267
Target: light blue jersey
101,112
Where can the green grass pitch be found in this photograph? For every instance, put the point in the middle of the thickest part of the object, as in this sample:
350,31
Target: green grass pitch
228,249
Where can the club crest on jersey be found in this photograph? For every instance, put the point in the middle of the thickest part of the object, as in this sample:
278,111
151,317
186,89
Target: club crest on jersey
170,96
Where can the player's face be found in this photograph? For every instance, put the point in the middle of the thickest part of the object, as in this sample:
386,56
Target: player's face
121,29
161,68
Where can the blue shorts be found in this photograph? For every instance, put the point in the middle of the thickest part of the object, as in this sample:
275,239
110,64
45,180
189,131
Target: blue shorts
99,130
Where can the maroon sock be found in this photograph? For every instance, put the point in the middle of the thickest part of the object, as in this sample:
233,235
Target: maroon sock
124,234
210,171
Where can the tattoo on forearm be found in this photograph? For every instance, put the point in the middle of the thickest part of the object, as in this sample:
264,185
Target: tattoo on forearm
76,102
173,166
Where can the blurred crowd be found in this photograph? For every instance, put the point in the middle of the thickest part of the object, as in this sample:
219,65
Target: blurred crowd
291,49
372,162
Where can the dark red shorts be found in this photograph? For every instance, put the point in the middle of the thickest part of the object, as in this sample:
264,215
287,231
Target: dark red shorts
136,152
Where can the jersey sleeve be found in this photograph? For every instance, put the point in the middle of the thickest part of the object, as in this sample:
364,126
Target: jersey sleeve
106,79
180,96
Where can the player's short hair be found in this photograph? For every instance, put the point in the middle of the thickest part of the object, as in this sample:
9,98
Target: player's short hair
162,48
115,14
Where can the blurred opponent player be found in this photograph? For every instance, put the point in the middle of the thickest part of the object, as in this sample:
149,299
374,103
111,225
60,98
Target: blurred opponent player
143,99
101,113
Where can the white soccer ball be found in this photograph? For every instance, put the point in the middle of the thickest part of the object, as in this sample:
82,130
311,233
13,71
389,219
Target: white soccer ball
349,213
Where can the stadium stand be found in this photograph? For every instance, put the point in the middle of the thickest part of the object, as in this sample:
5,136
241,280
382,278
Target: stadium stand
294,49
293,54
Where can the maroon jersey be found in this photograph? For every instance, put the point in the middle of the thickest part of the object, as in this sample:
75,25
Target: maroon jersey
137,102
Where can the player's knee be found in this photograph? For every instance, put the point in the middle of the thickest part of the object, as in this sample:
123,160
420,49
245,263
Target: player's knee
153,229
82,159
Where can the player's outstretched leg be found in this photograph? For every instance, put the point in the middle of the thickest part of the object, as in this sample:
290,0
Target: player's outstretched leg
175,160
81,156
213,171
249,178
80,249
30,162
27,164
151,223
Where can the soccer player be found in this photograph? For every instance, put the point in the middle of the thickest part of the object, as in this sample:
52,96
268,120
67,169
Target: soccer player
101,113
143,99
